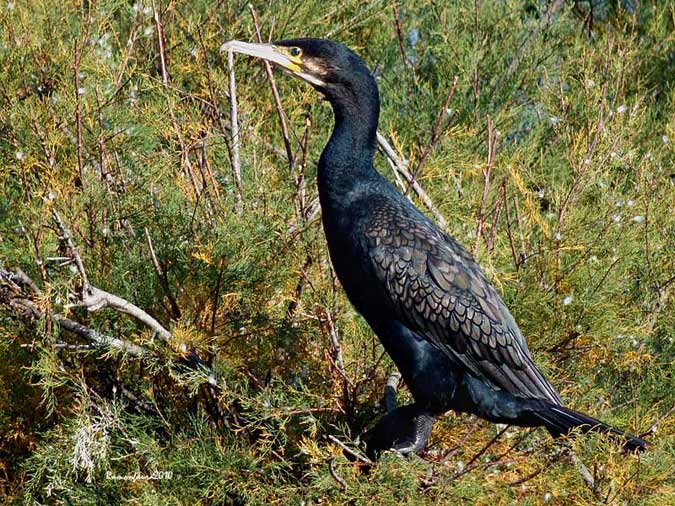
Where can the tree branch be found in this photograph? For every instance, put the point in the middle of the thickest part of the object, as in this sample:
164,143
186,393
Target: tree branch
400,165
93,298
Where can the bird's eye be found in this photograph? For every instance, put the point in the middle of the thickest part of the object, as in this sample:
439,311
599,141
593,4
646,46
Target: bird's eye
296,51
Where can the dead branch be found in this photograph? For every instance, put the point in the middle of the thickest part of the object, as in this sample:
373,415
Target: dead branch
93,298
399,35
336,476
332,331
74,253
16,289
514,255
353,453
234,130
400,165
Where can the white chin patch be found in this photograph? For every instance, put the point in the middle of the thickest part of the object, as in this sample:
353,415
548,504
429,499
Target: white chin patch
310,78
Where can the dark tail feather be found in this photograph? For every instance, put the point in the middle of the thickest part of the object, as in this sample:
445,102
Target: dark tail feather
560,420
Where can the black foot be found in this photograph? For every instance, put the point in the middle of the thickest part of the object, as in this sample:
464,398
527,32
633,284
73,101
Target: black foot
405,430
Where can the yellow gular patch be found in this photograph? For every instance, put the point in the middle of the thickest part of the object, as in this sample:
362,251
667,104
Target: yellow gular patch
294,66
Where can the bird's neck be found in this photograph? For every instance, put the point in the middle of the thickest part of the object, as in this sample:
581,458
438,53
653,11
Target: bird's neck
347,159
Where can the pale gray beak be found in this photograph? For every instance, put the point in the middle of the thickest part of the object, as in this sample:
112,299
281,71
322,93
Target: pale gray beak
274,54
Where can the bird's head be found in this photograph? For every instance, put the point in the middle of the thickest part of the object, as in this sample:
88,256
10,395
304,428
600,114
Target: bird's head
333,69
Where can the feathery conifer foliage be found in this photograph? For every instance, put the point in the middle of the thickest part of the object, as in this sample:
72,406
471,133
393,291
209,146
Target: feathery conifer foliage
170,328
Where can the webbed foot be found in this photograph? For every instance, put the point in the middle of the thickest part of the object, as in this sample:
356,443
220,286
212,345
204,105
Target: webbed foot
405,430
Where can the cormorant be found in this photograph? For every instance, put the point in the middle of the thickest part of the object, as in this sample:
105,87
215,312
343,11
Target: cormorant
446,328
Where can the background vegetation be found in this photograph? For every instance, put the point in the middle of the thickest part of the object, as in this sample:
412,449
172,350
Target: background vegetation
552,160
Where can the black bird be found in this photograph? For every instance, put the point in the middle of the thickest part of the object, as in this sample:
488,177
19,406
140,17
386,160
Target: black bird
451,336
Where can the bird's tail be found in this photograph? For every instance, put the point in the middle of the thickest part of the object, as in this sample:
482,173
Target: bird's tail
560,420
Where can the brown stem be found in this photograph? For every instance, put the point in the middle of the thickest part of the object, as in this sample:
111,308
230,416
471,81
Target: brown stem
435,133
487,172
78,114
275,92
399,165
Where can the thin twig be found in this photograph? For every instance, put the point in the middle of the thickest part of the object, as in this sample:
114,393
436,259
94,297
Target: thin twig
471,464
332,332
275,93
94,298
487,173
234,130
516,261
435,133
163,278
66,236
78,113
652,428
399,35
536,473
185,158
351,452
335,475
400,165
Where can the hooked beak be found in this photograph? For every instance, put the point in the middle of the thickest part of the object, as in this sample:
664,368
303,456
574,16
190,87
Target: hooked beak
273,54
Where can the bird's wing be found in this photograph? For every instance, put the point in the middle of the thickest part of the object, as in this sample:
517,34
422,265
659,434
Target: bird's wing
438,290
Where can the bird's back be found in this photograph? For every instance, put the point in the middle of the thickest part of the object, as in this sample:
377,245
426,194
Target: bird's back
396,264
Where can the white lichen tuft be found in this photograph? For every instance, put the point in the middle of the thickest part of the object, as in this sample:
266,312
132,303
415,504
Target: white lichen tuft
92,442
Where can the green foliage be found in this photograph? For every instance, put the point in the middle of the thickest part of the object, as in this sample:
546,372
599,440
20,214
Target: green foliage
578,235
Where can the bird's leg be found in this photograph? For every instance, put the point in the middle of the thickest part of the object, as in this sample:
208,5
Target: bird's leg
390,391
404,429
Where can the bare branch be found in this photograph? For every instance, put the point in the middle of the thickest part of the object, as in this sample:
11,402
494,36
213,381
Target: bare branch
78,113
400,165
655,425
275,93
234,123
351,452
66,236
399,35
487,173
14,295
95,299
96,337
163,279
336,476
